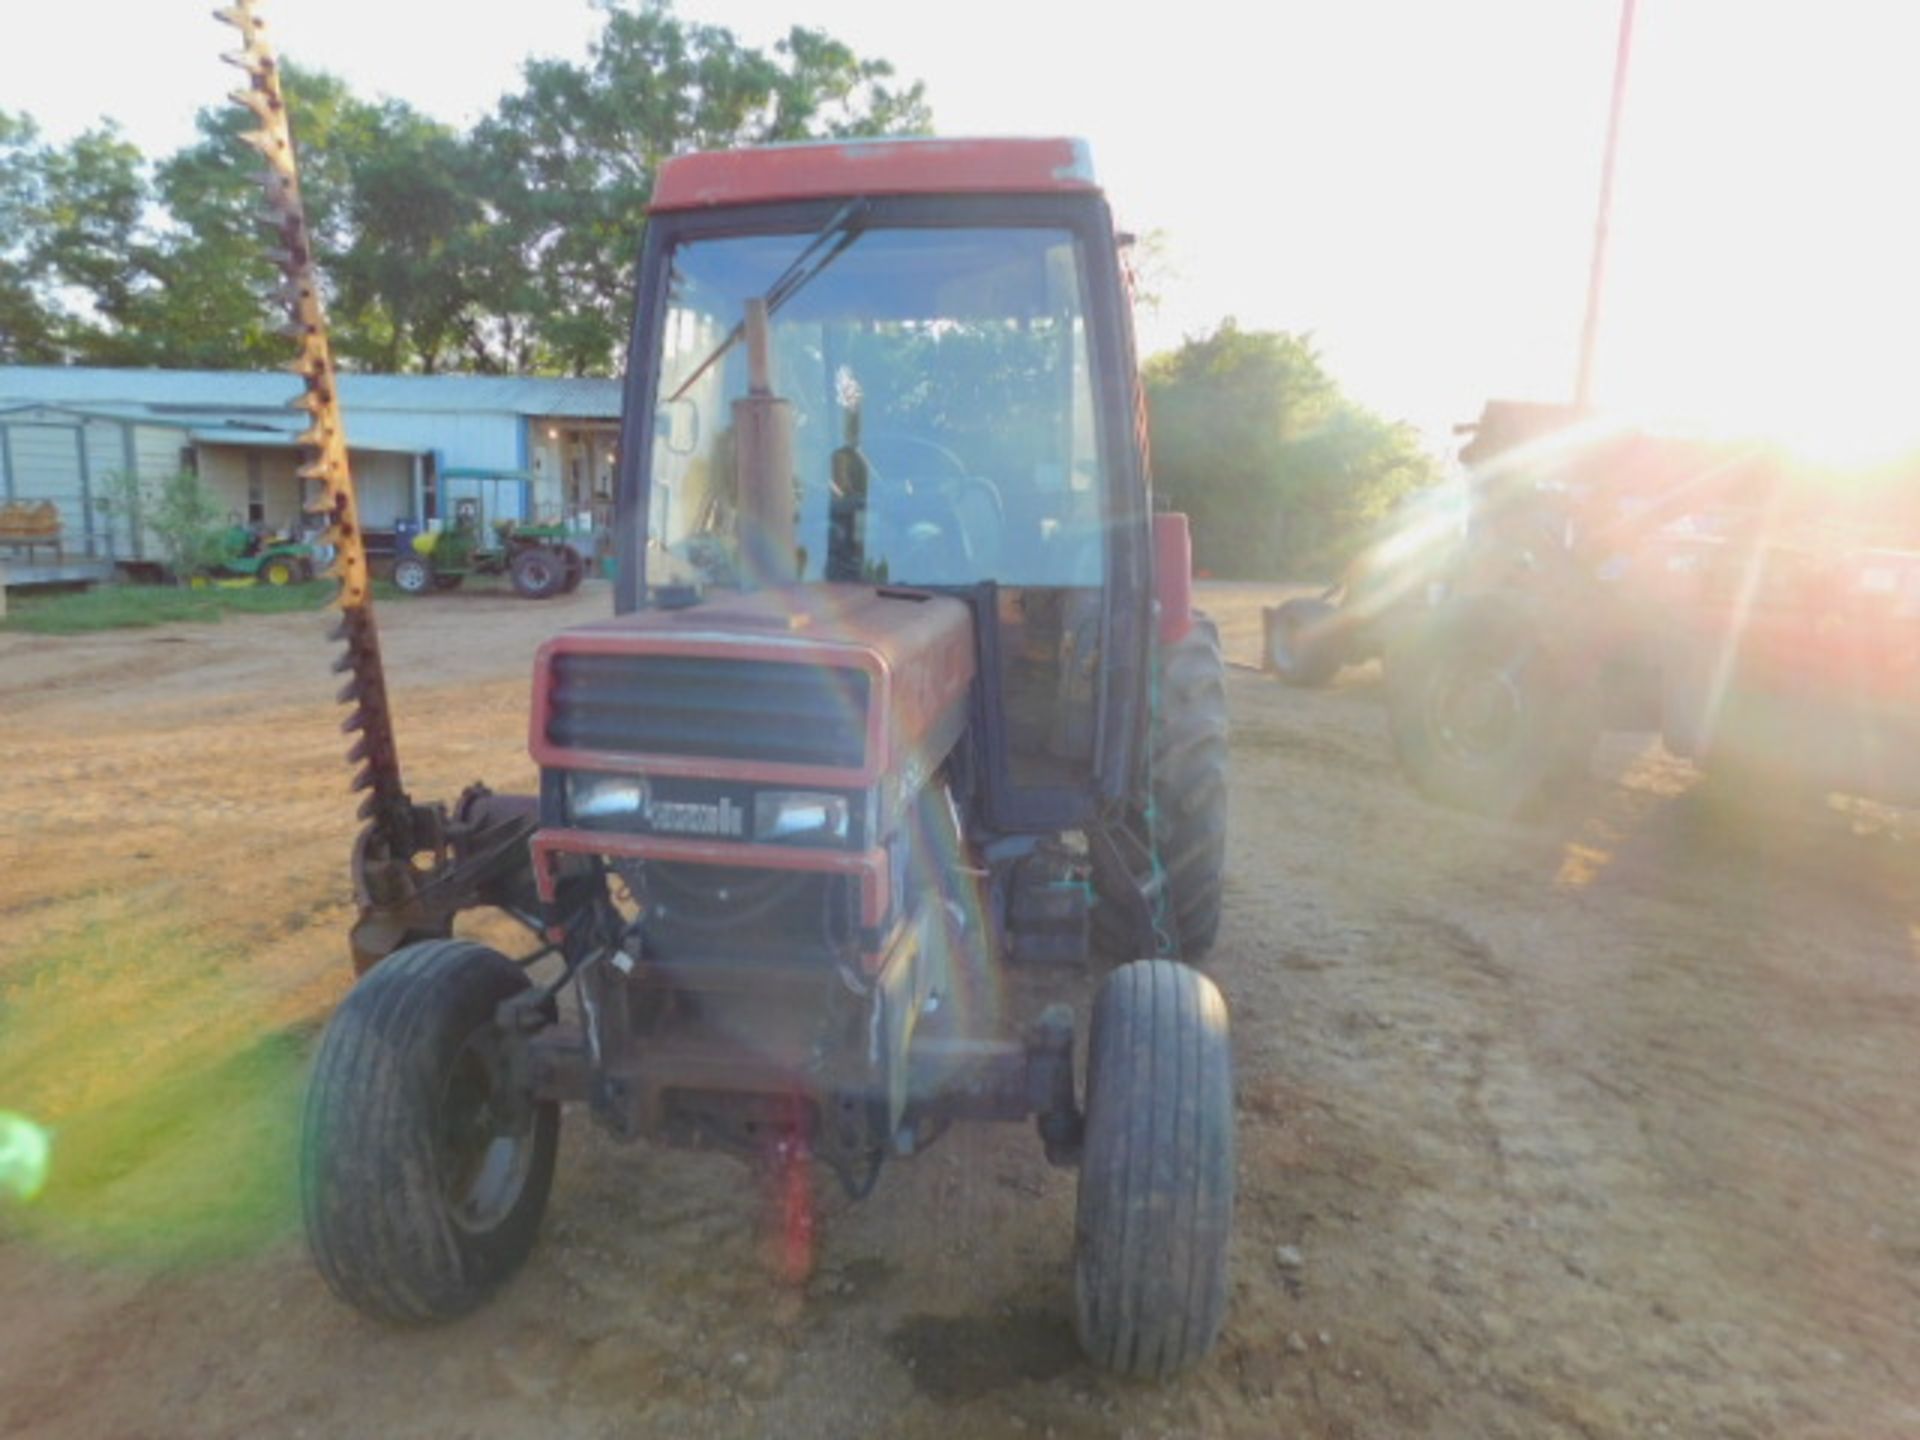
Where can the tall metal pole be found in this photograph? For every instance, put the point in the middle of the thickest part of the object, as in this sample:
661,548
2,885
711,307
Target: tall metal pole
1596,275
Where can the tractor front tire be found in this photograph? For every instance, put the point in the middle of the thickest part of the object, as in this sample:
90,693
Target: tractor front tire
1486,717
1303,642
537,573
1155,1207
576,570
423,1180
412,575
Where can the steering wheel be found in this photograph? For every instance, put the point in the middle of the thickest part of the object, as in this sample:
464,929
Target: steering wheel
919,498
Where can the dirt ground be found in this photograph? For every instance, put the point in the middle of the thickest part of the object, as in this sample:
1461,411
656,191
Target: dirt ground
1602,1126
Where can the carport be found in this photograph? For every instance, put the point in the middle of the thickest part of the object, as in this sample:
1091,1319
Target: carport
250,472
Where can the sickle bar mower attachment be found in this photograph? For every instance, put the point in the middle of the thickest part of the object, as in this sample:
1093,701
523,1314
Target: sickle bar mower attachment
413,865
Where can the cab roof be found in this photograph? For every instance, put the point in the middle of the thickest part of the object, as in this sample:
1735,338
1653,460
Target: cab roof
825,169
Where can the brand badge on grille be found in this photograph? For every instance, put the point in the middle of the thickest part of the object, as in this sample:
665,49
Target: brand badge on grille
684,817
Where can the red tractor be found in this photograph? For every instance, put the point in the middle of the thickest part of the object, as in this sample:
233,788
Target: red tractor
903,689
1763,616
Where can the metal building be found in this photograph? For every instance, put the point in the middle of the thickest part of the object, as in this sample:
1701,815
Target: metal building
532,449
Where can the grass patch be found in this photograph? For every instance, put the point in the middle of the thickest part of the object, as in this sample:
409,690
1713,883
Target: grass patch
171,1087
125,607
132,607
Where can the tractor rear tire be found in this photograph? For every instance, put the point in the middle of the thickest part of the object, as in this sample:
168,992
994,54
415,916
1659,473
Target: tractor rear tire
1187,814
423,1185
413,575
1484,716
537,573
1303,642
1155,1209
1190,784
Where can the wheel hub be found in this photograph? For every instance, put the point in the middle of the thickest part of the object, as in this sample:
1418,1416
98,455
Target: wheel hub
485,1148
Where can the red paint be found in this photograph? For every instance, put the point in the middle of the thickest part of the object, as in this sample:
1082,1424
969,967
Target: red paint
872,167
918,655
1173,575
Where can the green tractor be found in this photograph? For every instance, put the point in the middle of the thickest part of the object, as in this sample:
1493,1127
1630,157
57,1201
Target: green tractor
540,560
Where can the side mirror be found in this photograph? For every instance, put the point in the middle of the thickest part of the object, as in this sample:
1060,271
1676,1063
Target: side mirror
678,424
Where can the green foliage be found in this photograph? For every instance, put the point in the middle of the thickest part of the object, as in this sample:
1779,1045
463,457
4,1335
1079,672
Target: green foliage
510,248
1281,473
180,512
70,221
27,322
569,161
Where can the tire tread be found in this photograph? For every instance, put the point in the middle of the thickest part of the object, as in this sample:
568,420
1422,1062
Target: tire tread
369,1183
1156,1186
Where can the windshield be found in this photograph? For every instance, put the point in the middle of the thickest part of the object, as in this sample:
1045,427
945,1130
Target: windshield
934,406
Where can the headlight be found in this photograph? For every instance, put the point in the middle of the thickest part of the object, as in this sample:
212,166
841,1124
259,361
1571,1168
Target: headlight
605,797
800,817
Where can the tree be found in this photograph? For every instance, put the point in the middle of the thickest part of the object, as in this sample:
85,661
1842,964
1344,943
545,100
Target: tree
572,157
406,286
208,297
95,195
510,248
27,322
1280,472
70,225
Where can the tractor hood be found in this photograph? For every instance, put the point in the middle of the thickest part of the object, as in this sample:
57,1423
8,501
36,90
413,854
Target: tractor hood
817,684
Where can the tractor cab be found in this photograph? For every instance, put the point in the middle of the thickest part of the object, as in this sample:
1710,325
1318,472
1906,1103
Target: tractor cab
908,364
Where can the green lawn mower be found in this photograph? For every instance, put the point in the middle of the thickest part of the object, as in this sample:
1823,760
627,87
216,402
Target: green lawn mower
251,556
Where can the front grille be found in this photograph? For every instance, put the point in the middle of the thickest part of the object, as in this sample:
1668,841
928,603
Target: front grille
722,914
709,707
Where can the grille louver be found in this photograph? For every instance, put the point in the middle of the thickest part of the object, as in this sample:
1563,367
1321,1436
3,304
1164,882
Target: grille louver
707,707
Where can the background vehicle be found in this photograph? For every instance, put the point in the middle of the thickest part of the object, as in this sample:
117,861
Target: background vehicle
253,556
540,560
887,705
1385,589
1750,609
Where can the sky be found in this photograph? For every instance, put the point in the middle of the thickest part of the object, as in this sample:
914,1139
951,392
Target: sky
1413,182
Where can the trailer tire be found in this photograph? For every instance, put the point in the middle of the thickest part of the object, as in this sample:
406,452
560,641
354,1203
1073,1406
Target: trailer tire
537,573
1483,715
412,575
421,1197
1154,1213
1304,644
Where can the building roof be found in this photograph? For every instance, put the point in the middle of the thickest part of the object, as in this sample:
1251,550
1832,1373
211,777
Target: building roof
229,391
816,170
14,405
277,439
